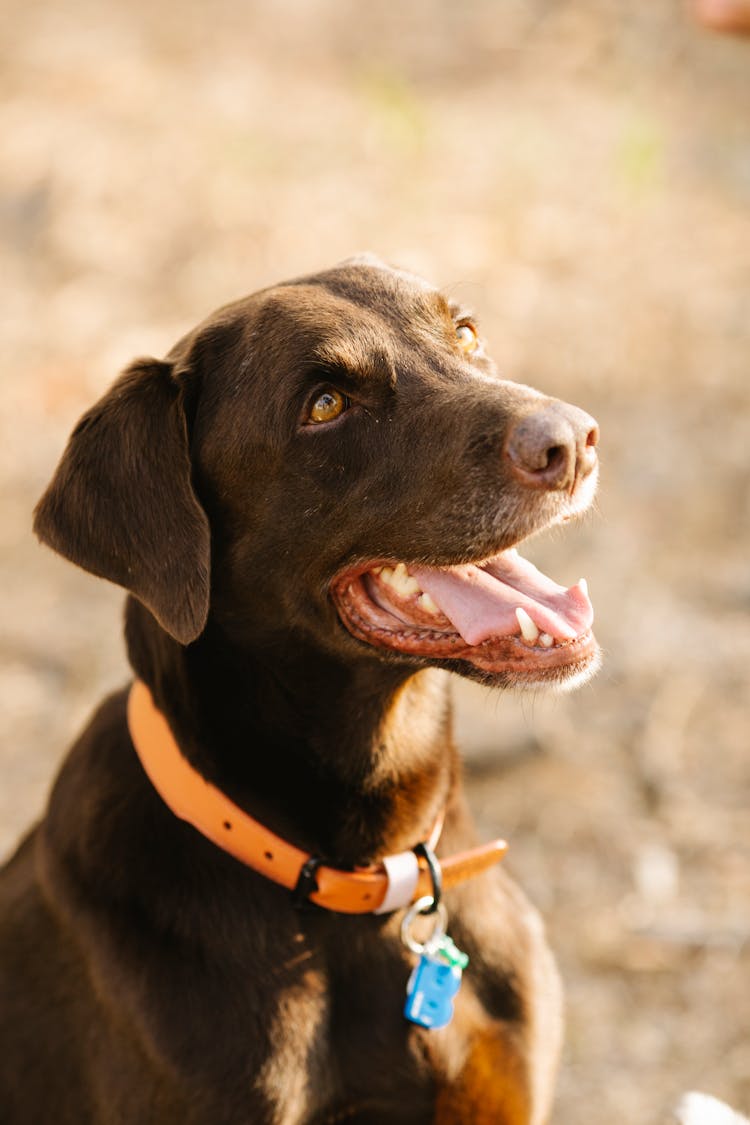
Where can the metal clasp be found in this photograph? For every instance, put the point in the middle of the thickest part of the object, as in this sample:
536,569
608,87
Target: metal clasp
424,906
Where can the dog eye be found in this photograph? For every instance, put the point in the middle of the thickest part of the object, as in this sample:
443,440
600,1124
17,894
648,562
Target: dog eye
327,406
467,337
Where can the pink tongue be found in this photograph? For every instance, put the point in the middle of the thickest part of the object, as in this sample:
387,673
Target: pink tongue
481,601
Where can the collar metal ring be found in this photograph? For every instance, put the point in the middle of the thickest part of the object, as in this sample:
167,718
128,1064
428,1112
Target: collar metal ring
423,906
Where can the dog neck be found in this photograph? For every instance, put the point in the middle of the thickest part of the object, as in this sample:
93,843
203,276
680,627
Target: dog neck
342,759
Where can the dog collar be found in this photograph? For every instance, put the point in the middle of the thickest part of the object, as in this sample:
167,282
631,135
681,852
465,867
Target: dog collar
396,881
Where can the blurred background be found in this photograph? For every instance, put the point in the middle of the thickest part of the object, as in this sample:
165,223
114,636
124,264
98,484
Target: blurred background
579,172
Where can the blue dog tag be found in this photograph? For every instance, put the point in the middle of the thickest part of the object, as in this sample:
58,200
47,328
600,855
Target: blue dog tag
434,983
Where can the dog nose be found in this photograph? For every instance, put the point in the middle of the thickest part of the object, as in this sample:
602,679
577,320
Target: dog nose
553,448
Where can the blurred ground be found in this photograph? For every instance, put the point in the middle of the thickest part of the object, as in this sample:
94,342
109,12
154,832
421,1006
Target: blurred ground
580,173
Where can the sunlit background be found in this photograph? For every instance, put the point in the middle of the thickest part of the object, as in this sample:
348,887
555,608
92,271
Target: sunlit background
579,173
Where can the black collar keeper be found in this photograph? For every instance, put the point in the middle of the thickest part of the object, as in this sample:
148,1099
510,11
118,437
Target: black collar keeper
436,874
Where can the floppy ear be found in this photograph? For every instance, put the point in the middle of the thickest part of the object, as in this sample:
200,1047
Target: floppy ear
121,503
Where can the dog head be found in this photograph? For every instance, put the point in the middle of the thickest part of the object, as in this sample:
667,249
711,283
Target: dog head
336,458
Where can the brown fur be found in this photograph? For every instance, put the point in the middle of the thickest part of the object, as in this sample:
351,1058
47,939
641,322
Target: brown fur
145,975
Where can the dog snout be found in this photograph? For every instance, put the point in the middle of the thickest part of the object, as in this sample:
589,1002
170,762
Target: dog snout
553,448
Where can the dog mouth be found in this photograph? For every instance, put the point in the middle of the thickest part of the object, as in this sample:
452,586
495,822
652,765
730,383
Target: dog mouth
502,615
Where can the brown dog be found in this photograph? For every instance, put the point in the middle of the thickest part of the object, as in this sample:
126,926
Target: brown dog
313,502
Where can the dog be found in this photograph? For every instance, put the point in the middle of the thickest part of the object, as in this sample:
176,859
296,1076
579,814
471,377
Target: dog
314,503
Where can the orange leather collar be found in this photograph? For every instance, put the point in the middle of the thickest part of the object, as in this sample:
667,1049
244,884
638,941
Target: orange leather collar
363,890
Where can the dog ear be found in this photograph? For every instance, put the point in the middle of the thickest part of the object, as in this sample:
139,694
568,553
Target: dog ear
121,503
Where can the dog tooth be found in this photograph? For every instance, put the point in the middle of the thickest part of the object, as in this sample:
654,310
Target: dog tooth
399,579
529,630
428,603
546,640
583,585
408,585
404,582
377,570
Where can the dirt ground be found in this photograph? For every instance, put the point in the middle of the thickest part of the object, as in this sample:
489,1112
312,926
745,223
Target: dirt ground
580,173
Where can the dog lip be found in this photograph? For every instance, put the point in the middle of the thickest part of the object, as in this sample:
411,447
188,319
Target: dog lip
506,656
390,616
